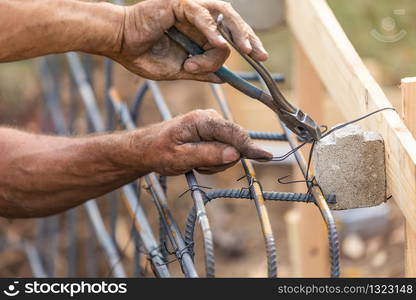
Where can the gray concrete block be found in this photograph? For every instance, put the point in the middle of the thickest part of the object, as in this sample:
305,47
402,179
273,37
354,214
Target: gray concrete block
350,163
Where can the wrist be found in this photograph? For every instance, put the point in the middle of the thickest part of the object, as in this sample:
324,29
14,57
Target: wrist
144,24
133,151
104,28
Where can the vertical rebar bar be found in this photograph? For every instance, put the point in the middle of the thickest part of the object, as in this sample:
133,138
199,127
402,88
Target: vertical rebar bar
159,198
35,260
193,185
256,193
112,199
102,235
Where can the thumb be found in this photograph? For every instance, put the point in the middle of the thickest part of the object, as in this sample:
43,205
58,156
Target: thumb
209,154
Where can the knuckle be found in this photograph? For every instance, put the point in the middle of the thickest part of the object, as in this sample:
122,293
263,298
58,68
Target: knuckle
209,22
200,113
235,127
255,40
193,115
240,134
251,32
246,138
226,52
212,114
185,2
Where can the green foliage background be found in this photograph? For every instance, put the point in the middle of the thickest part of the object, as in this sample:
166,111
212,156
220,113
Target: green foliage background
358,18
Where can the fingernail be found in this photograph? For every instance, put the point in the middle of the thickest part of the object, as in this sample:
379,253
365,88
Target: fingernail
260,154
230,154
192,67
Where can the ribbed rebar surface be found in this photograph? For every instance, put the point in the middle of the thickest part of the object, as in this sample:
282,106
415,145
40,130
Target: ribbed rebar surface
271,136
245,194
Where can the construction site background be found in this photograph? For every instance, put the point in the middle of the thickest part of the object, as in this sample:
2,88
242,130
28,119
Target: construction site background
384,35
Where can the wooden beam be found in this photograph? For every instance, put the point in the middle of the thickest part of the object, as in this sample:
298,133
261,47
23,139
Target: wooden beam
356,92
408,113
410,251
307,235
408,106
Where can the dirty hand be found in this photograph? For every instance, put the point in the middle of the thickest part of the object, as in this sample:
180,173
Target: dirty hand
200,140
147,51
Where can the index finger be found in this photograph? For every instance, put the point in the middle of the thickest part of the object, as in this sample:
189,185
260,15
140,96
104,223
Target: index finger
202,19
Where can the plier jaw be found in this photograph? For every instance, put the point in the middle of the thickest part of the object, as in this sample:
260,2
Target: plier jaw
294,119
302,125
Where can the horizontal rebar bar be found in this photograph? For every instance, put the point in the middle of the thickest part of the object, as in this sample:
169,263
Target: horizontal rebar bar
251,76
245,194
268,195
260,135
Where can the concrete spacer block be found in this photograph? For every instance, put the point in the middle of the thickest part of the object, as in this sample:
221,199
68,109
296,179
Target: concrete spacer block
350,163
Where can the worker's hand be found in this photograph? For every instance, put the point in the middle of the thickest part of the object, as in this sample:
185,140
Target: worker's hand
200,140
147,51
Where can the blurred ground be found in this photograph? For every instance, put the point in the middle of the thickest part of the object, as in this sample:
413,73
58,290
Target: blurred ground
239,245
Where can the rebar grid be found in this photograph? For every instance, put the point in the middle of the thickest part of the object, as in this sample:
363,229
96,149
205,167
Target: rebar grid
115,108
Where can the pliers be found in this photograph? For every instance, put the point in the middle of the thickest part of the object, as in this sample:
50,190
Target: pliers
294,119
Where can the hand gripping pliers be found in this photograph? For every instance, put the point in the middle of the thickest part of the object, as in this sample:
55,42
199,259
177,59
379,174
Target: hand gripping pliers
294,119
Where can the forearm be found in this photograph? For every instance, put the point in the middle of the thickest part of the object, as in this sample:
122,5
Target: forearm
43,175
31,28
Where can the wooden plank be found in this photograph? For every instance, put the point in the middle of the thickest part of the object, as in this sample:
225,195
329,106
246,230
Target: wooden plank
355,91
410,251
306,231
408,113
408,106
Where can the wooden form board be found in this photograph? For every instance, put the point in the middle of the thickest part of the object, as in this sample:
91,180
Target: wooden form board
408,113
355,91
410,252
306,231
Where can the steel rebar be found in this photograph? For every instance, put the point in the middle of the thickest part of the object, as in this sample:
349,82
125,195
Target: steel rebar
256,193
181,249
94,116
